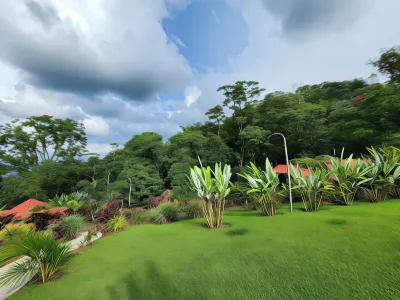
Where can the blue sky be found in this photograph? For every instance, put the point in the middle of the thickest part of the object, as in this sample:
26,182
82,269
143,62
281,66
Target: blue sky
122,67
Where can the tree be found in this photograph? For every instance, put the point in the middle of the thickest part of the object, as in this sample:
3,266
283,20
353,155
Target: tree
24,144
239,98
389,64
217,115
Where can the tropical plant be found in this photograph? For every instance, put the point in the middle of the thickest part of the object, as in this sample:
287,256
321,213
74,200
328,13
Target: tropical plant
384,172
46,257
193,209
212,190
71,226
59,200
348,174
263,185
117,223
110,210
137,215
311,188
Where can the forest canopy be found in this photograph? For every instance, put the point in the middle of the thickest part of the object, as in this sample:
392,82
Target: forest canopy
41,157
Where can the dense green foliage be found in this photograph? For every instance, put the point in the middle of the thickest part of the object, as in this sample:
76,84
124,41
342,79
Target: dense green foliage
71,225
43,160
338,253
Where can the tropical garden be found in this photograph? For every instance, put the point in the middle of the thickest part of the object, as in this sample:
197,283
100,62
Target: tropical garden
237,233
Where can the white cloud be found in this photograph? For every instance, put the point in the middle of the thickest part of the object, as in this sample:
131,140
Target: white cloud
178,41
192,93
99,148
96,126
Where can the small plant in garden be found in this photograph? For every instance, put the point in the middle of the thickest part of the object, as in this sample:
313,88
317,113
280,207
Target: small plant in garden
311,188
264,186
110,210
383,174
165,213
348,178
46,258
193,209
212,187
137,215
117,223
71,226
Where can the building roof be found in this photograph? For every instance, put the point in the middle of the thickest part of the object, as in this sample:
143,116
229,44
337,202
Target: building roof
23,210
282,169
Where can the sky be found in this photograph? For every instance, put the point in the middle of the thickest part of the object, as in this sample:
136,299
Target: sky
122,67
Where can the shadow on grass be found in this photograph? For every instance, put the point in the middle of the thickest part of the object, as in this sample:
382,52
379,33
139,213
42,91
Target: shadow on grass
237,232
153,286
337,221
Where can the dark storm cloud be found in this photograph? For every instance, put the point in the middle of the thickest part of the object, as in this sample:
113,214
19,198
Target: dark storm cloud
46,14
62,56
301,19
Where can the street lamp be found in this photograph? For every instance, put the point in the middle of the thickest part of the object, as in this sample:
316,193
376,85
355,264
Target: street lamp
288,169
130,191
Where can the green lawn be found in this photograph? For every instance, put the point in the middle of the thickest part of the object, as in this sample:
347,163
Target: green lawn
336,253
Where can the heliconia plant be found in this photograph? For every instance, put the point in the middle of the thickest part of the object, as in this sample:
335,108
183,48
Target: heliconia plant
263,185
348,174
311,188
212,187
384,172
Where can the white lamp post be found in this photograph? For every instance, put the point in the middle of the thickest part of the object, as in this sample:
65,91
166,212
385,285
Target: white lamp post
130,191
288,169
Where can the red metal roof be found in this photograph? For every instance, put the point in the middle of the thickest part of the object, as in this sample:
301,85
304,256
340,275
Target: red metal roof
27,206
282,169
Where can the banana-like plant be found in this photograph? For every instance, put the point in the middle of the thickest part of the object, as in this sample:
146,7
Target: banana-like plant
384,173
311,188
264,186
348,178
212,187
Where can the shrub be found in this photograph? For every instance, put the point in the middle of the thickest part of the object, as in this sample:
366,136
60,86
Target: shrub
4,220
71,225
15,230
117,223
46,258
169,210
111,209
193,209
43,219
263,186
137,215
157,217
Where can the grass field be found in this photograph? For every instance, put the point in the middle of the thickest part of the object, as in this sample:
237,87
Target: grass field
336,253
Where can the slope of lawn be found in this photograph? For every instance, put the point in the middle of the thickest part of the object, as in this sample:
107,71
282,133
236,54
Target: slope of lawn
336,253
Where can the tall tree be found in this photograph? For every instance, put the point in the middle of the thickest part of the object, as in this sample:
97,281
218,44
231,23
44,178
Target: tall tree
389,64
216,114
239,98
24,144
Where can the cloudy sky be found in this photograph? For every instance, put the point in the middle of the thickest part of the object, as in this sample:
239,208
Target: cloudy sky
127,66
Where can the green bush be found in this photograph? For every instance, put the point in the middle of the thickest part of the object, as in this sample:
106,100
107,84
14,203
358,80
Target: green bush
170,211
117,223
71,225
193,209
137,215
157,217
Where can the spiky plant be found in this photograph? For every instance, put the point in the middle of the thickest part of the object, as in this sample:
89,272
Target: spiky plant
311,188
263,184
384,173
348,177
117,223
212,187
46,257
71,225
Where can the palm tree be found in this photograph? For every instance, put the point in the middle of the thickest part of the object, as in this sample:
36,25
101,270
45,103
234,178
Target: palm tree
45,257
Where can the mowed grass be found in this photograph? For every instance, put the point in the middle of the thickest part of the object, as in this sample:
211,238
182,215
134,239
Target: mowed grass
336,253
